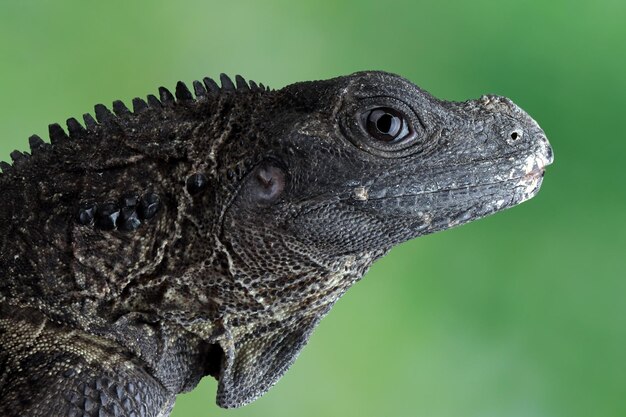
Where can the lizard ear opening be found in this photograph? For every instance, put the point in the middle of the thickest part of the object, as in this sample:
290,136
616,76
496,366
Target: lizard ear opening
265,184
255,361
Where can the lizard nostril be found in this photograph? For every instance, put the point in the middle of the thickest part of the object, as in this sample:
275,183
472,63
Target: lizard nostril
515,135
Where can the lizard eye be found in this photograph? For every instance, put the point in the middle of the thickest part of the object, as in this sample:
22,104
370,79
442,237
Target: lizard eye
386,125
383,126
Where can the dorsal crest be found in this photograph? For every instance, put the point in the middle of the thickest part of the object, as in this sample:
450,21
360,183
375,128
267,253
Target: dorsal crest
206,89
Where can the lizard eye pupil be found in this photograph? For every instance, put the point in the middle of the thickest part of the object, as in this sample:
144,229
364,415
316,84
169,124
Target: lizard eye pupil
386,124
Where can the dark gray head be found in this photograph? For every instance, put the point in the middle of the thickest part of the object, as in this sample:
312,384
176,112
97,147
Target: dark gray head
345,169
372,149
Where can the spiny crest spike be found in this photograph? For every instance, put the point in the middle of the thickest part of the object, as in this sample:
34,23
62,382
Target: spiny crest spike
18,156
35,143
165,96
75,129
241,83
154,102
139,105
211,85
103,114
182,92
199,89
90,122
56,133
6,167
120,108
227,83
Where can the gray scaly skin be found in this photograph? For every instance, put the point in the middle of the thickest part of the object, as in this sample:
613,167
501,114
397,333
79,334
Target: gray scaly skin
208,235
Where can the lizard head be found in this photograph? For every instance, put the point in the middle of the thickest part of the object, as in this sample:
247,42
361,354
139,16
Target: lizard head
364,162
346,169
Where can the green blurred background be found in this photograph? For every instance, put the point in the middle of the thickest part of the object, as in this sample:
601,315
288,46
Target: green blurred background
520,314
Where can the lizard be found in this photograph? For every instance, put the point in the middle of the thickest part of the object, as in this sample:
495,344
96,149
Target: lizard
208,233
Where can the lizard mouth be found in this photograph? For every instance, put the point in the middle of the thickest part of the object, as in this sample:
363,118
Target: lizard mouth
452,204
532,182
531,177
534,174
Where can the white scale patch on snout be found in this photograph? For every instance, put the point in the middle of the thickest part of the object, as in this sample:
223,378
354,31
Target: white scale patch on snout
531,186
360,194
530,164
533,170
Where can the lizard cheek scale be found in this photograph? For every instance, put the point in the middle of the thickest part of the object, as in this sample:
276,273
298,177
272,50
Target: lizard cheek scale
208,233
